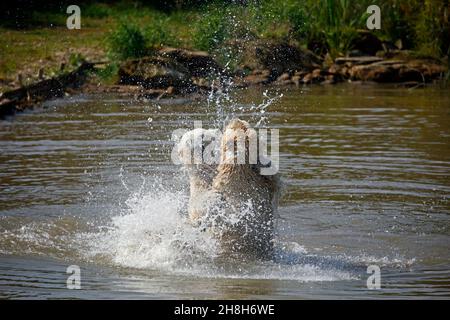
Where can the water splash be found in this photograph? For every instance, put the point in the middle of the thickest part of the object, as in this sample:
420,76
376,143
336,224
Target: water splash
224,105
155,234
152,232
262,107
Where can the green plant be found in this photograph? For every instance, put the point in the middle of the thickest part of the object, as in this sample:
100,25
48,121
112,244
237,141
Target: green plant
298,20
157,33
76,59
126,41
432,28
398,21
212,29
335,22
109,73
96,10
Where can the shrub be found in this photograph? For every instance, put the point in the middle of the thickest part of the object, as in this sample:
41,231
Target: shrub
433,29
157,34
96,10
212,29
126,41
299,24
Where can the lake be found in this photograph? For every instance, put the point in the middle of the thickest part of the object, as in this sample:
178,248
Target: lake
88,181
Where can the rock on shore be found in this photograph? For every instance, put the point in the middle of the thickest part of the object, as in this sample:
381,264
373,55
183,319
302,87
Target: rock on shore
180,69
184,71
172,71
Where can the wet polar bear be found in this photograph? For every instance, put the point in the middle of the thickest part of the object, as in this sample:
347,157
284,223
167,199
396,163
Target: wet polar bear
230,197
191,150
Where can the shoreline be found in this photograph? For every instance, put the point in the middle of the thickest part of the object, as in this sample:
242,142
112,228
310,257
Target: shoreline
138,94
176,72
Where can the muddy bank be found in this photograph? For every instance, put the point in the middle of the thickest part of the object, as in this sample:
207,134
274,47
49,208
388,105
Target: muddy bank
171,72
178,71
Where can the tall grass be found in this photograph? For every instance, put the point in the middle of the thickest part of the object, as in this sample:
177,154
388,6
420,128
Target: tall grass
126,41
327,26
157,33
334,22
433,29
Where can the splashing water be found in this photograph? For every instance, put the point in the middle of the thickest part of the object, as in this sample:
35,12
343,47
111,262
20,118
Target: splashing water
225,107
351,202
264,105
153,231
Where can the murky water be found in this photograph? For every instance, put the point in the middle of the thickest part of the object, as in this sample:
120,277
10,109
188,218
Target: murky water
89,182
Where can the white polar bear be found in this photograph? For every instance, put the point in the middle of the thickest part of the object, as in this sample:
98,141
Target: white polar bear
232,198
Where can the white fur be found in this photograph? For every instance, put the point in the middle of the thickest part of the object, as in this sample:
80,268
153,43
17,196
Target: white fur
200,174
238,202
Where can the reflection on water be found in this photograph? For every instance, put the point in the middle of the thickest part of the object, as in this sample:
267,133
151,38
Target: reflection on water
88,181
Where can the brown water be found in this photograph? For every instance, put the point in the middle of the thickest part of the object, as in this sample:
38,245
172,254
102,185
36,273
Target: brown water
89,181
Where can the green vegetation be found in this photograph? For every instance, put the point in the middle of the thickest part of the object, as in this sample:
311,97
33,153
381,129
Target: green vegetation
336,24
158,34
432,29
212,29
126,29
126,41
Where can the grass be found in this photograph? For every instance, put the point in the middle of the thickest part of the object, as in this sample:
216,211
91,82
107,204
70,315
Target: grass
29,50
212,29
433,29
47,42
126,41
128,28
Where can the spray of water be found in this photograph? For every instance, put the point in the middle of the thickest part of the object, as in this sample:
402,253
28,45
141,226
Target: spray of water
224,106
154,232
151,229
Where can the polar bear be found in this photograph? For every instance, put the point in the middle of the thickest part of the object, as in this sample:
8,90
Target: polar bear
231,198
198,151
248,196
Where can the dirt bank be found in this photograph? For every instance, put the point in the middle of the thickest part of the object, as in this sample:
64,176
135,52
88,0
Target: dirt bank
172,72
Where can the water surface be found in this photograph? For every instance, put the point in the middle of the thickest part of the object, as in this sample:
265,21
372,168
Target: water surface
88,181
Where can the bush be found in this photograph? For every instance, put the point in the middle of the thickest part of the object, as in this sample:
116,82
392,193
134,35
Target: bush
212,29
96,10
433,29
109,73
298,21
157,34
272,14
126,41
